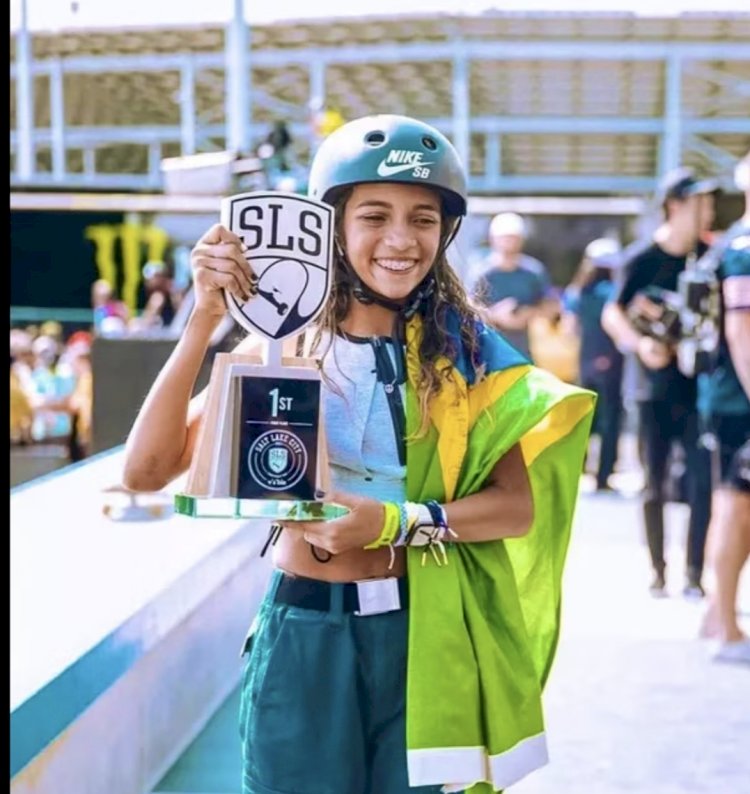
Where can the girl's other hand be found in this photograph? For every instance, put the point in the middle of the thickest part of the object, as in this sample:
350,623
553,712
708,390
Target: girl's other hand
361,526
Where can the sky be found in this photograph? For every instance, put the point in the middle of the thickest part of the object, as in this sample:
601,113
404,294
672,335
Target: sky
54,15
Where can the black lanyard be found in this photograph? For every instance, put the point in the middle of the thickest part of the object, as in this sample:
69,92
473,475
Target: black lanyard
392,378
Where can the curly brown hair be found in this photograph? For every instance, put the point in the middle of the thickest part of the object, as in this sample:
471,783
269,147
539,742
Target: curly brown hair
436,343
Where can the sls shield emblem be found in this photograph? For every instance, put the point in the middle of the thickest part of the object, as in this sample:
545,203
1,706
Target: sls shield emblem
290,248
278,458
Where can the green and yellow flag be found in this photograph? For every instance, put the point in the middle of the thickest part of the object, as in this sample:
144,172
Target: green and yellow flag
483,629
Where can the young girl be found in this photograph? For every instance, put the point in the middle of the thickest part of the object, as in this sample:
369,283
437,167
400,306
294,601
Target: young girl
407,652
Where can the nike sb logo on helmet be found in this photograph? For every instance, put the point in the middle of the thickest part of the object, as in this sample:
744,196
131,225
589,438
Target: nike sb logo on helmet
399,160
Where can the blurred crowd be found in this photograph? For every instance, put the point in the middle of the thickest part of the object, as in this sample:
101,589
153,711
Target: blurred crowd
164,294
51,383
51,387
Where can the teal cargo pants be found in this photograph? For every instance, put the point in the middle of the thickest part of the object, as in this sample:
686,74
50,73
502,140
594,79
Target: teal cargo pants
323,694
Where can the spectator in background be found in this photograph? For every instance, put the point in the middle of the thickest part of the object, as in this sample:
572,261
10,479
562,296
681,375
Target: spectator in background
600,362
75,402
79,403
323,121
514,286
666,398
555,343
47,389
106,305
277,158
724,397
51,389
53,329
160,307
280,139
22,357
21,386
21,412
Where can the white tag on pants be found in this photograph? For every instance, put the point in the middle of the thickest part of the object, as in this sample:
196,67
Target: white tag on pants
377,596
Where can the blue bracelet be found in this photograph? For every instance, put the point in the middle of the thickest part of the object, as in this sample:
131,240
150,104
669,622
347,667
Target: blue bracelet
437,513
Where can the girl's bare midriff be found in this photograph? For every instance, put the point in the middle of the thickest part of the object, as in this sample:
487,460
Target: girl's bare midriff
292,555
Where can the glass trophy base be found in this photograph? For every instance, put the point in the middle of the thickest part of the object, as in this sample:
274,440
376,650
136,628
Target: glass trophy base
273,509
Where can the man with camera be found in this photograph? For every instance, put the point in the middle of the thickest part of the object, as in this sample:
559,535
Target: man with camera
724,398
641,319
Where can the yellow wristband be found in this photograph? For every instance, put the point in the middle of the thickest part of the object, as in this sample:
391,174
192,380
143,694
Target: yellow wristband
391,526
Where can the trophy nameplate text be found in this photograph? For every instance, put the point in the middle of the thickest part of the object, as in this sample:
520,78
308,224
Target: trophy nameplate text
261,449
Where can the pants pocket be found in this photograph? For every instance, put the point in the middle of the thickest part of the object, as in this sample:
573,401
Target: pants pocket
301,714
247,653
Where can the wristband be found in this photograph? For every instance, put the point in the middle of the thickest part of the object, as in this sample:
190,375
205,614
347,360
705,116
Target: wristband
441,519
420,524
391,526
414,524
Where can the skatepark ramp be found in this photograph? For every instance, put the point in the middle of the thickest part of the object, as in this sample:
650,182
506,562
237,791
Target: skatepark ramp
126,626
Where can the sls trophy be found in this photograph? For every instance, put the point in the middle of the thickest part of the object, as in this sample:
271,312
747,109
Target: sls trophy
261,449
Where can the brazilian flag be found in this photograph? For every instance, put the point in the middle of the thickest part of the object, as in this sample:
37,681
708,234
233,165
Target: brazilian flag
483,628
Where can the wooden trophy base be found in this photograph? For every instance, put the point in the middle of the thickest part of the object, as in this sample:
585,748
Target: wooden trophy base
261,449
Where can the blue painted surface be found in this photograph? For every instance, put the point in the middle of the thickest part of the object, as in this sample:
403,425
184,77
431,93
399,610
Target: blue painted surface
42,717
90,597
212,763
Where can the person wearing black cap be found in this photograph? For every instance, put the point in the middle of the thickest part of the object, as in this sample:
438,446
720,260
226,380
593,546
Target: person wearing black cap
666,398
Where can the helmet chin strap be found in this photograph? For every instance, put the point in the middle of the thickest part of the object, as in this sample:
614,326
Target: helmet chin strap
414,299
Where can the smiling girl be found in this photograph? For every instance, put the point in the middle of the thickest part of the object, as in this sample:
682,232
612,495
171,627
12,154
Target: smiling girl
408,651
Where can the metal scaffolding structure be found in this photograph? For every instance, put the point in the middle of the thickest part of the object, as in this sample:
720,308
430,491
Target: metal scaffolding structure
537,104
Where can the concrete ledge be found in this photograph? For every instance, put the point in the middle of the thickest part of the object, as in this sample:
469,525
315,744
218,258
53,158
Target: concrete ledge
125,636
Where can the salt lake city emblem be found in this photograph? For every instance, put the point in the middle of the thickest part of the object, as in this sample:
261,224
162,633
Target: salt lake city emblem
277,460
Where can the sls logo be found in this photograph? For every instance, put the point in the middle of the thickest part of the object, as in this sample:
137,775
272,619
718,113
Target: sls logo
399,160
290,247
277,460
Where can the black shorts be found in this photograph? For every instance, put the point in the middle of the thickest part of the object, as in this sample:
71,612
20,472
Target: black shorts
732,453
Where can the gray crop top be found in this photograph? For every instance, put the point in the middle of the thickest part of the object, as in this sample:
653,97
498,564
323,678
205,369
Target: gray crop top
362,449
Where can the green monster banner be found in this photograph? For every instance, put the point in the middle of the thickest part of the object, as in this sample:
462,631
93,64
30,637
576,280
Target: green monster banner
57,256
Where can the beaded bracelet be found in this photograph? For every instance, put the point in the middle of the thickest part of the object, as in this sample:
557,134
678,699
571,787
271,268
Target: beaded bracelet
415,524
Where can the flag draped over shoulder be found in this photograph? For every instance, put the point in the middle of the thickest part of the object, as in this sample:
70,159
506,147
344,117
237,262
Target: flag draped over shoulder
483,629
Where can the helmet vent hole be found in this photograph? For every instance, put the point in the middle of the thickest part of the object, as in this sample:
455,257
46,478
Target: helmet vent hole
429,143
375,138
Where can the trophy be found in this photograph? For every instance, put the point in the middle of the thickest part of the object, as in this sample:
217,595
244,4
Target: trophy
261,450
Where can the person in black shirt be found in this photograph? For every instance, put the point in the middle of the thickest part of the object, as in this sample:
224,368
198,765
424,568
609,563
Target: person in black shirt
666,398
